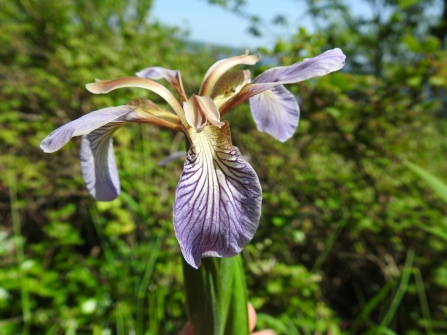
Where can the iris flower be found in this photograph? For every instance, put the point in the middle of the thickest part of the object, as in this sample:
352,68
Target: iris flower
217,203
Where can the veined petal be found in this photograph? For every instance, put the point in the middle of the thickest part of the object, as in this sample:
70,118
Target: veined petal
276,112
327,62
82,126
105,86
218,199
98,163
97,157
222,66
229,85
173,77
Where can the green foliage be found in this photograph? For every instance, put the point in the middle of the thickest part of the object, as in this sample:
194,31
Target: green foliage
76,266
351,241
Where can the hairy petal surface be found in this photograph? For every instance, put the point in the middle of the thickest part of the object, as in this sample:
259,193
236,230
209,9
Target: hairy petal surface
276,112
327,62
173,77
218,199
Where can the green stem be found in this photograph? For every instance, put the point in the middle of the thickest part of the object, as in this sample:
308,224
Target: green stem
216,296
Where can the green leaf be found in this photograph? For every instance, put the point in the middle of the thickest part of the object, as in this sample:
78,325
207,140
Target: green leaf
435,183
402,289
216,296
237,318
373,303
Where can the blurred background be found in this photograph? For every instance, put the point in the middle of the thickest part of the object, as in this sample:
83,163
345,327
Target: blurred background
353,236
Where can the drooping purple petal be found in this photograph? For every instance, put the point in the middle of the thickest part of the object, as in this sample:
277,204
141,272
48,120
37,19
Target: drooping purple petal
173,77
218,199
276,112
327,62
97,157
98,163
82,126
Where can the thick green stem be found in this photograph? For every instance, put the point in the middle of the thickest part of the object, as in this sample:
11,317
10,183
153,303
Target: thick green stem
216,297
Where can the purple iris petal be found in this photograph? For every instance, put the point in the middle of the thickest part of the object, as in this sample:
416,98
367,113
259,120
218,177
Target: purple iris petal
97,157
276,112
82,126
218,199
98,163
327,62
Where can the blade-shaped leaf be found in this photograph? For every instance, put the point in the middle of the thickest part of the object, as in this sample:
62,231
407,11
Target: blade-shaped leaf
237,317
435,183
216,297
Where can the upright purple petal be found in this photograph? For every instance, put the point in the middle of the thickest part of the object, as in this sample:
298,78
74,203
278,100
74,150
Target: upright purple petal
276,112
98,163
82,126
218,199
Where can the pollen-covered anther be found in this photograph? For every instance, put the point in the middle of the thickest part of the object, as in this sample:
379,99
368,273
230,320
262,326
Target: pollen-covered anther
200,111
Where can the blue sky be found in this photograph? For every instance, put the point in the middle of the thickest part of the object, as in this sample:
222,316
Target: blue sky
215,25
